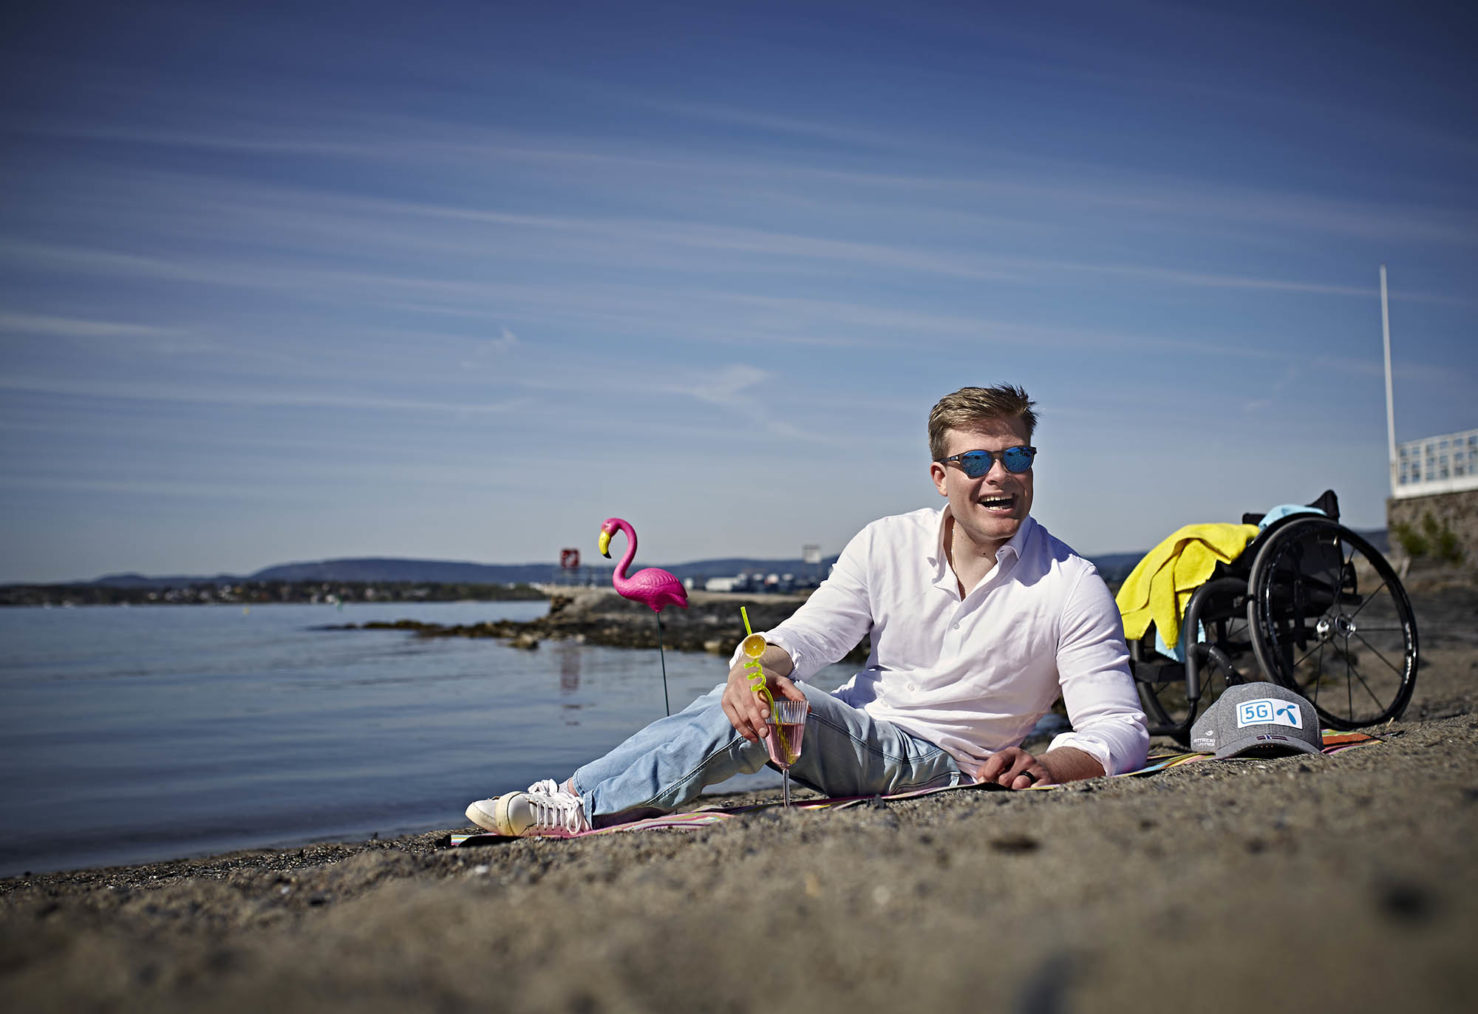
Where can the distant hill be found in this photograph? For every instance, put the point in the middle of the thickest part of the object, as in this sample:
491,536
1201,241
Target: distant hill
390,569
454,572
176,581
371,569
1113,567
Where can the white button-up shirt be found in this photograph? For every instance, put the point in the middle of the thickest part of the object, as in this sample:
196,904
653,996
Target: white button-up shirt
973,675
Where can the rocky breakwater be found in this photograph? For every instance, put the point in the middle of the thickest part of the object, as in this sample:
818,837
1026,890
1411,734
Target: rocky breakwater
711,623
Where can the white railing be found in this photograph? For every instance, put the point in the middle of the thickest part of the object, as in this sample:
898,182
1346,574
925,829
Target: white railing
1442,464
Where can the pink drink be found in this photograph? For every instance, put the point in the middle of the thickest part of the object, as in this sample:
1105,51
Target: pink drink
793,733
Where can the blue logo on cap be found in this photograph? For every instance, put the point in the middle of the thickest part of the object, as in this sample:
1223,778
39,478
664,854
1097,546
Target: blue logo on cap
1269,711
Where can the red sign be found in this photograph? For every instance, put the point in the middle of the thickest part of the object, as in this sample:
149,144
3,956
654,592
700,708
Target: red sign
569,559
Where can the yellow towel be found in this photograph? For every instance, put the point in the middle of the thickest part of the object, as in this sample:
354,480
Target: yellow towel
1161,584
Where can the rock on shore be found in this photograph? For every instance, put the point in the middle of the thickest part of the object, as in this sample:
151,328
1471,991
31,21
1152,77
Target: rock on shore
712,622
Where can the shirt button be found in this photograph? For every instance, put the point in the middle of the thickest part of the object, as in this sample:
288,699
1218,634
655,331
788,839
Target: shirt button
912,687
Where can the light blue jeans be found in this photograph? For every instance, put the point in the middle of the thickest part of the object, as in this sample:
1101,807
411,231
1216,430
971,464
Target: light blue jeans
845,752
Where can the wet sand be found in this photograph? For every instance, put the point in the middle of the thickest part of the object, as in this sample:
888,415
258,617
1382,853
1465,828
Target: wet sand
1312,883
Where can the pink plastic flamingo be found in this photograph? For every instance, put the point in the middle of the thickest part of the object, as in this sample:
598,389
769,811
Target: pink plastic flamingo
654,586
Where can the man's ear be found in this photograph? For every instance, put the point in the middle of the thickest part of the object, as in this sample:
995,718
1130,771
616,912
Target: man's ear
937,473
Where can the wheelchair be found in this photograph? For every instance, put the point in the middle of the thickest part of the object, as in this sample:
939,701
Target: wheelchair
1309,605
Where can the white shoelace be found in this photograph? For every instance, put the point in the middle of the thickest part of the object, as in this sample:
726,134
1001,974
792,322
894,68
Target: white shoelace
554,807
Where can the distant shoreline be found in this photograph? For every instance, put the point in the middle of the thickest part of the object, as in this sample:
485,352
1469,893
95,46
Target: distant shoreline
265,593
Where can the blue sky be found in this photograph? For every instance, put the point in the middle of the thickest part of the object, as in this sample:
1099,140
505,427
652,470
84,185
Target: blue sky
459,280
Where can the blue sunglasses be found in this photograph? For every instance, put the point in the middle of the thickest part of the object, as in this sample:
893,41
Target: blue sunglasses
977,463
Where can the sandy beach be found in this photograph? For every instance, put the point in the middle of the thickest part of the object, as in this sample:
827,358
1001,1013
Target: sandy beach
1294,883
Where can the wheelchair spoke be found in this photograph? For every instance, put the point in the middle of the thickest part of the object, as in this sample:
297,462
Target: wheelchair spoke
1318,647
1376,652
1351,685
1374,699
1368,599
1319,668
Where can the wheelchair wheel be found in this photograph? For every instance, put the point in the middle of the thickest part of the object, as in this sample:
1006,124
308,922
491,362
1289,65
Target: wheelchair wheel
1329,619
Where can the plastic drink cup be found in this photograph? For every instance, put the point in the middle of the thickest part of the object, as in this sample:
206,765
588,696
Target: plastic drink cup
784,730
791,726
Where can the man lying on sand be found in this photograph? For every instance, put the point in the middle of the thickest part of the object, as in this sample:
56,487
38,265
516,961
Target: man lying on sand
979,620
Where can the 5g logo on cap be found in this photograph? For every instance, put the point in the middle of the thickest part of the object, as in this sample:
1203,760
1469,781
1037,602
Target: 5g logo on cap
1268,711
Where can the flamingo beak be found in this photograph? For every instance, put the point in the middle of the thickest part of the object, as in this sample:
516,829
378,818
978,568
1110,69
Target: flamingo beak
605,543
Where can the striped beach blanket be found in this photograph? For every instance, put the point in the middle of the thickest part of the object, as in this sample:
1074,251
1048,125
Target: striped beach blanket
708,816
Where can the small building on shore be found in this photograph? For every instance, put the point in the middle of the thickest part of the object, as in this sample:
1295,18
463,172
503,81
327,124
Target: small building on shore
1433,508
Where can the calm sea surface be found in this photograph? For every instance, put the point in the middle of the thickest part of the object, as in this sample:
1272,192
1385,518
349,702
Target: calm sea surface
153,732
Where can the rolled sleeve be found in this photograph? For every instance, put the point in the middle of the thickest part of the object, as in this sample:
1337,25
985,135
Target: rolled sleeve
836,616
1097,689
799,655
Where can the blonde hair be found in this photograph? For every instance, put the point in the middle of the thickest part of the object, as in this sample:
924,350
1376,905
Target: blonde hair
968,406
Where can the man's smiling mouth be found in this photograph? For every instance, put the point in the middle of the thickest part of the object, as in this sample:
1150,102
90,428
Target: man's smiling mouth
998,503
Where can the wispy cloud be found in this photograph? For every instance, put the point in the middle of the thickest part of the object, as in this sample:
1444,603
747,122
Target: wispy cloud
731,387
793,126
72,327
1048,184
1213,281
210,489
271,140
739,388
257,397
490,350
370,223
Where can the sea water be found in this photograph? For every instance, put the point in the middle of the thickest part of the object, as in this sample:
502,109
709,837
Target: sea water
133,734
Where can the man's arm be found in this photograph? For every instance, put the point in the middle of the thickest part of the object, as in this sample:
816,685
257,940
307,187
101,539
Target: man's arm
821,630
834,618
1108,723
1108,734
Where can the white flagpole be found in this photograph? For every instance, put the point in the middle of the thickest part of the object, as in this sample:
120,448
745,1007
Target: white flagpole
1385,321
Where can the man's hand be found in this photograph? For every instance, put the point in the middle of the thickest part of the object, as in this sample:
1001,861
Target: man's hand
1014,768
746,709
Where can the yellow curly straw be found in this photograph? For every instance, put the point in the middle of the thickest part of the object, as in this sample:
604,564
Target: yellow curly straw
753,645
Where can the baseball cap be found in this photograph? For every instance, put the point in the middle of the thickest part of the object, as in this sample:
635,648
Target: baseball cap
1260,720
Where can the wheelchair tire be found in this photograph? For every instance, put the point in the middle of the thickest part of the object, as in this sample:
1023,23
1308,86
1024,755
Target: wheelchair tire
1330,620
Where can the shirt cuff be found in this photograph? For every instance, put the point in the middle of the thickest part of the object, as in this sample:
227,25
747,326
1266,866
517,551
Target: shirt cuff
797,655
739,658
1090,745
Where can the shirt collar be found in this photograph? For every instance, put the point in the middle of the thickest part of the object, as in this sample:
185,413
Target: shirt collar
1017,543
1013,547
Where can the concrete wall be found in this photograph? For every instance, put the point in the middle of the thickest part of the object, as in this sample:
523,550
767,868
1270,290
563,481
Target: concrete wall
1458,511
